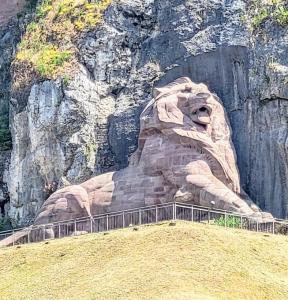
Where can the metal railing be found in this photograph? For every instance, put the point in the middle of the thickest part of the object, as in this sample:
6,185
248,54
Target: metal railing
141,216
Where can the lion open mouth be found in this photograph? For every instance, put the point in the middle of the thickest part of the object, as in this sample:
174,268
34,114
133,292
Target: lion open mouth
201,116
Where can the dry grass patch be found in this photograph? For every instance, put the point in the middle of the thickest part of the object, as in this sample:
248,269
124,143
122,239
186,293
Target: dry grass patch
186,261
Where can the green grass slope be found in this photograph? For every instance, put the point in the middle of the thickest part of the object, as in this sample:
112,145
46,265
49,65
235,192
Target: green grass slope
186,261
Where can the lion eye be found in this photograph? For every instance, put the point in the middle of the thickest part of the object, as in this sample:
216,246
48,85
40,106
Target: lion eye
187,89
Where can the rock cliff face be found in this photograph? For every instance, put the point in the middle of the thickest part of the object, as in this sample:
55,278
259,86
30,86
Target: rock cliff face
10,33
65,132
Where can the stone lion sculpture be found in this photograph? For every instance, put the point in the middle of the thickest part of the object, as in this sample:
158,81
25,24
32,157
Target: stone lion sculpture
184,154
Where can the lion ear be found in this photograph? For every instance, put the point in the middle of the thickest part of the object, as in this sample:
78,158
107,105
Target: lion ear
168,112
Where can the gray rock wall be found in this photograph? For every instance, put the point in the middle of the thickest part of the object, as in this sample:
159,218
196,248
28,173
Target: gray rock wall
9,38
265,166
68,133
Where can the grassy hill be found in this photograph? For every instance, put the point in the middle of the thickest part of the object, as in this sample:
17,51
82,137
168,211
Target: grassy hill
186,261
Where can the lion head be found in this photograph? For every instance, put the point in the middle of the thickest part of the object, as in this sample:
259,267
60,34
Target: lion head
190,111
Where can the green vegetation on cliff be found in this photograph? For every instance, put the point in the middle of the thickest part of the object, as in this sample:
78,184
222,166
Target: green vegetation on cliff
273,10
186,261
47,49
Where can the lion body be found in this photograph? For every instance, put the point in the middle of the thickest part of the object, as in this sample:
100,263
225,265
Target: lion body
168,170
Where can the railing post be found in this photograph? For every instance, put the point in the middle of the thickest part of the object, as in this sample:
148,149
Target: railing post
257,226
91,225
13,237
174,211
123,219
273,227
209,216
225,218
44,233
29,236
156,215
241,222
140,217
192,213
59,231
107,222
75,226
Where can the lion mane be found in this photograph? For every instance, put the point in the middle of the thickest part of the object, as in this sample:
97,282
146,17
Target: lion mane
166,114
